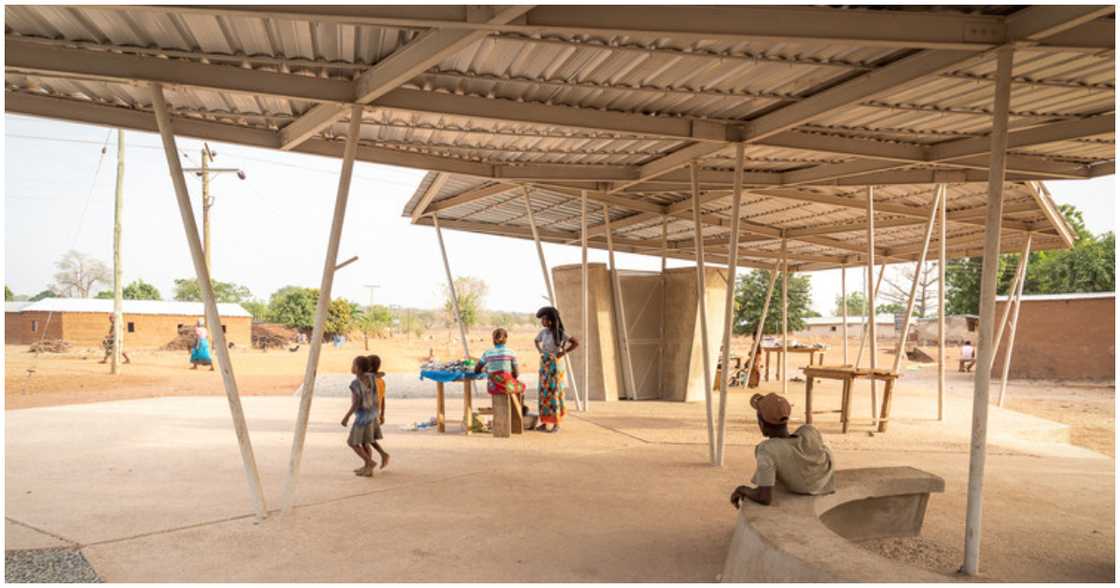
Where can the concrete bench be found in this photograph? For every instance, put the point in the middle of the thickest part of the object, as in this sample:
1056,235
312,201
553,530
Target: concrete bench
809,538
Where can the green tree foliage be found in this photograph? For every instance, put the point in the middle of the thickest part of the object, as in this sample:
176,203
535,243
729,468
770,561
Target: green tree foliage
472,297
373,321
891,308
257,308
340,316
187,290
857,304
140,290
750,295
1089,266
48,293
294,306
8,295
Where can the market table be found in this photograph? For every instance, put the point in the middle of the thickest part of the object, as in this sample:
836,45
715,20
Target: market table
778,350
441,377
847,374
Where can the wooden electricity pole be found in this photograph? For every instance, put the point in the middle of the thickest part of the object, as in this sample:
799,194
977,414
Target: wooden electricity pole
118,289
208,201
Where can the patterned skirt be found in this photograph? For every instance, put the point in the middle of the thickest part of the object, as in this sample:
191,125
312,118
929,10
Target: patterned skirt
504,383
550,393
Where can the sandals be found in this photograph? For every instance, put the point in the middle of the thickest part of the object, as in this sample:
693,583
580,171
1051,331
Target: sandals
542,428
555,429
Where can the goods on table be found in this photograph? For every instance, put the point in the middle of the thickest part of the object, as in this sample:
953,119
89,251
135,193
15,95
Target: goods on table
456,365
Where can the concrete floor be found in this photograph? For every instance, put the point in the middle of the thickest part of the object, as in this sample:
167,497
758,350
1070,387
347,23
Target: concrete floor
153,490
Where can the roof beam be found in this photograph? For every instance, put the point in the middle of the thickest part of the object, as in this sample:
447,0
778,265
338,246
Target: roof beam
36,58
462,198
433,190
877,28
545,114
427,50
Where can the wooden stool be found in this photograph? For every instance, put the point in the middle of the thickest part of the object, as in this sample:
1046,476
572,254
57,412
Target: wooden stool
507,415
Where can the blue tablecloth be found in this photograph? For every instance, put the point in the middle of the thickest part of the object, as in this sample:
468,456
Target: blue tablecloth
448,376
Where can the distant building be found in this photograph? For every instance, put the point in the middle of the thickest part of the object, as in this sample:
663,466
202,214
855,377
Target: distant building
833,326
1062,337
85,321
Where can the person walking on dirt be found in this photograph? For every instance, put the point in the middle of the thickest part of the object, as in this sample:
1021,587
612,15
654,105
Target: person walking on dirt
107,343
200,353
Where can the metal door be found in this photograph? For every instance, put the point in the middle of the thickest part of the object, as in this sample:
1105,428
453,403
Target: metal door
642,301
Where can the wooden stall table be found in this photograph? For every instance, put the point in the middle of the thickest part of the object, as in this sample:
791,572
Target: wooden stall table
778,350
441,377
846,375
732,359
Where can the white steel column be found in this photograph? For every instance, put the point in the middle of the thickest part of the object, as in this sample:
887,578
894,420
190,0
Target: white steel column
1014,322
762,319
785,320
551,291
907,318
701,295
175,167
1016,285
451,289
979,445
118,287
620,309
844,310
322,308
664,242
584,298
729,300
941,305
867,320
871,301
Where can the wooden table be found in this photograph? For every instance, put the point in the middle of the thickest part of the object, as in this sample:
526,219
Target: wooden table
778,350
846,375
440,419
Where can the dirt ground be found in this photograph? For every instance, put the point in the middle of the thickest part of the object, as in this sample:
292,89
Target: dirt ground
77,377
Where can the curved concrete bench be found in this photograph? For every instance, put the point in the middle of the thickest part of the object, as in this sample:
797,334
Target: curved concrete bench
809,538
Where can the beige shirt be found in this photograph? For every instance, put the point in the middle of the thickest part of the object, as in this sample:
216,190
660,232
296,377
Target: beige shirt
802,462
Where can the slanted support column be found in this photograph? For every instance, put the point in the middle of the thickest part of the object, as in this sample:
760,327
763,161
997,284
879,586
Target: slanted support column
979,446
867,320
907,319
871,300
701,294
323,306
583,286
785,319
762,318
941,304
1018,295
248,460
620,309
551,292
844,311
1016,285
451,288
729,300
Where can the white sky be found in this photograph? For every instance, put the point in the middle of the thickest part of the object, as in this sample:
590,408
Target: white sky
270,230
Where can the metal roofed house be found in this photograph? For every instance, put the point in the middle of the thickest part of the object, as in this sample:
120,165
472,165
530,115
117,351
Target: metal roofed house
85,321
830,326
774,126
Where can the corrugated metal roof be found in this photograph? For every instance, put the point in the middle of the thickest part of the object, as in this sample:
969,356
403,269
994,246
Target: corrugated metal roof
525,104
16,306
101,305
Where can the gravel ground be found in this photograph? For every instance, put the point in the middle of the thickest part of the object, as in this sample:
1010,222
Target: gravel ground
63,565
407,385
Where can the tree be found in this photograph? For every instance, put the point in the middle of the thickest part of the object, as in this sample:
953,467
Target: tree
374,321
294,306
897,290
340,317
8,295
187,290
1088,266
78,274
857,305
472,295
257,308
750,295
893,308
48,293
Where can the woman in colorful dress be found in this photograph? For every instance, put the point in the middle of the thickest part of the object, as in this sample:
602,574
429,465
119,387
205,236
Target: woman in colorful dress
553,344
200,353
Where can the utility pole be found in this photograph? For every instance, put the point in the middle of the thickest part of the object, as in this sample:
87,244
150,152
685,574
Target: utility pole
118,289
372,287
207,200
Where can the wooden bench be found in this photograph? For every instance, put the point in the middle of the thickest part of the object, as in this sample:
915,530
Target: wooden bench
802,538
507,415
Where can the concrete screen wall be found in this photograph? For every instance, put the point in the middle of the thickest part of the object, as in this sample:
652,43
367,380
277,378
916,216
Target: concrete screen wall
663,326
